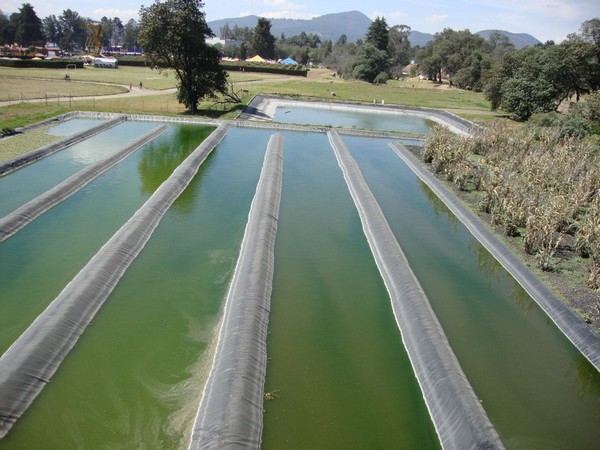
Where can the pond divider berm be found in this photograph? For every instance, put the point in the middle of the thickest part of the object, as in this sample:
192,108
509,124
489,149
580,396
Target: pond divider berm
231,410
458,417
20,161
22,216
575,329
34,357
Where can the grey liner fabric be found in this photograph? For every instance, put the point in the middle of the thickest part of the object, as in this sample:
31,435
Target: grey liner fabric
575,329
22,216
230,414
33,358
458,417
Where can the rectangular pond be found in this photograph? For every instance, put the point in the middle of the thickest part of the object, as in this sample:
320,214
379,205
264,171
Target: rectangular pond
338,375
352,118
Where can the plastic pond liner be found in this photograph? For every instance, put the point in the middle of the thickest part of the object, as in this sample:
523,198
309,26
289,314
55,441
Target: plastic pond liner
29,363
521,366
337,365
231,409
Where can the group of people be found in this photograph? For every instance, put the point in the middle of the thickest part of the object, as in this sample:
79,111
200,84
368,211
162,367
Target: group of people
131,86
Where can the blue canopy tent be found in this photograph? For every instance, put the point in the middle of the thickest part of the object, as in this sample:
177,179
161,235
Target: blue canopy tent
288,61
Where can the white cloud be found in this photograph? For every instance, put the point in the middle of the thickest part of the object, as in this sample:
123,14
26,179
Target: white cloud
286,15
397,15
436,18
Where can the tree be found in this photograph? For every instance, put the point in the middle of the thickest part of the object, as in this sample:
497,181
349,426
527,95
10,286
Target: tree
590,31
342,40
378,34
130,33
73,31
173,35
399,48
263,42
537,79
449,52
7,30
107,31
368,63
28,30
52,28
118,31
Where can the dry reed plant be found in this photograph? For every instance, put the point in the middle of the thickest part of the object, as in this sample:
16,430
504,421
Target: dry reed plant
539,185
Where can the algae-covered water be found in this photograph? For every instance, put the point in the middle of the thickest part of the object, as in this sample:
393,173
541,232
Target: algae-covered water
134,379
32,180
337,366
338,375
525,371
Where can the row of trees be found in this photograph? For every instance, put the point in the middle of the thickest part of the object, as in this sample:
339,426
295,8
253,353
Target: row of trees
384,50
69,31
522,82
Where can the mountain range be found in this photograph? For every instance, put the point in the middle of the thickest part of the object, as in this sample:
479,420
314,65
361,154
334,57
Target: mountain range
354,24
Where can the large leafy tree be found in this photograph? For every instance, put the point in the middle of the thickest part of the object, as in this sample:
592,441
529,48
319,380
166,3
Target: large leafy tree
263,42
538,79
173,35
7,30
367,63
131,32
449,52
378,33
28,27
399,48
52,28
74,29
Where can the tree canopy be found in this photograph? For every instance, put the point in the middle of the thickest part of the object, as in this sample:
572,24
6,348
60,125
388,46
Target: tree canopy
28,30
378,34
263,42
173,34
538,79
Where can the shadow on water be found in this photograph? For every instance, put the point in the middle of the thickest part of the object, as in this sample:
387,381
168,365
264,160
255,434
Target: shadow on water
162,156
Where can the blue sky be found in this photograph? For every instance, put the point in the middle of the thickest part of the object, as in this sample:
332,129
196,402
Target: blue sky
544,19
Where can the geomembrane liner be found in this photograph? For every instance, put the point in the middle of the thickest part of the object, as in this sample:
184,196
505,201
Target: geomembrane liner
458,417
32,359
19,218
231,410
575,329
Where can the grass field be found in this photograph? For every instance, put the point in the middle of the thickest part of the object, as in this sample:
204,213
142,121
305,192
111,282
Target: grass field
94,89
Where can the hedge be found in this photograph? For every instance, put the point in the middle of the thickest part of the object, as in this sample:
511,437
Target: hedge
284,69
41,63
238,66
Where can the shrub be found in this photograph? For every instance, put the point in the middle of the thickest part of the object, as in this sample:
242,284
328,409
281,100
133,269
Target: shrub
382,78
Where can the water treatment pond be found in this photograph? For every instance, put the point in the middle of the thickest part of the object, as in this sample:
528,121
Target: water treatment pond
337,368
352,119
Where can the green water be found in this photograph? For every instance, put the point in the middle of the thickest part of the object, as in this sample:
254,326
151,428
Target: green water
353,119
536,387
42,258
32,180
135,378
336,360
337,367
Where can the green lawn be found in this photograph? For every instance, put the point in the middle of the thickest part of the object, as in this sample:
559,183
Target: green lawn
61,95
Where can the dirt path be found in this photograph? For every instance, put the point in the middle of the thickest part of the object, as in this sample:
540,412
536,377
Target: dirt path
136,91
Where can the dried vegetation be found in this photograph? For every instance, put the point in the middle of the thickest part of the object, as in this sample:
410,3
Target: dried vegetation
539,187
